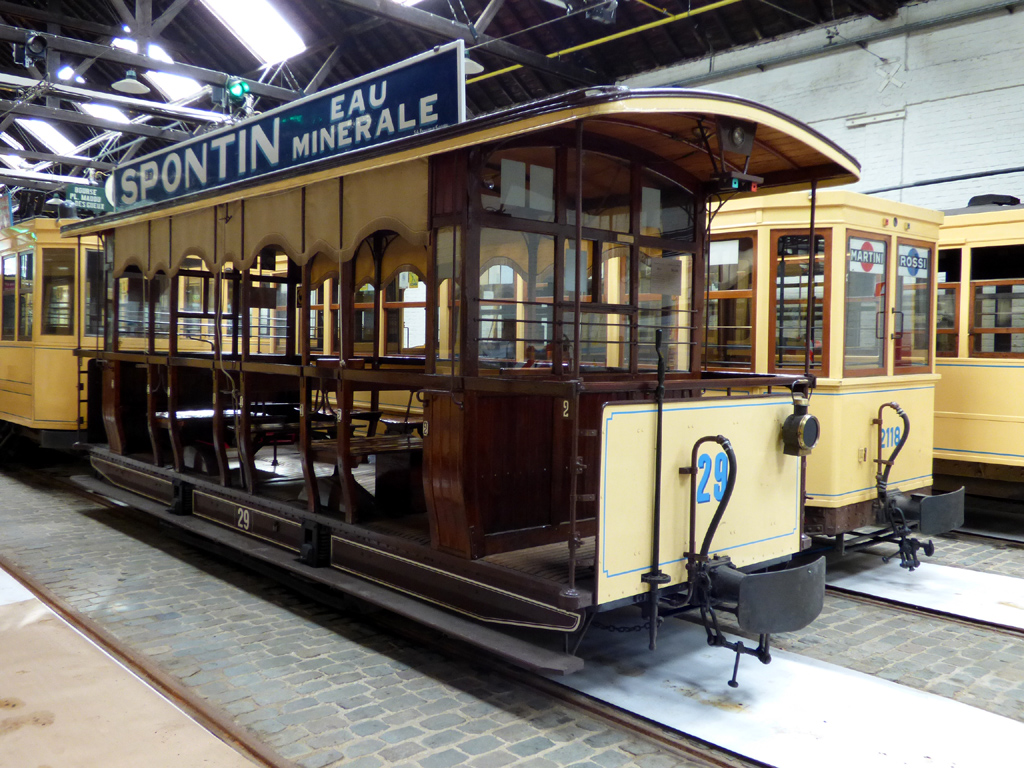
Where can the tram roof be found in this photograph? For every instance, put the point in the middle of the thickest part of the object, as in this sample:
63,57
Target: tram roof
787,154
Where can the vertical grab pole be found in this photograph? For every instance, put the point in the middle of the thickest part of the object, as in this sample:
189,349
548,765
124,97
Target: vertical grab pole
575,465
655,577
810,285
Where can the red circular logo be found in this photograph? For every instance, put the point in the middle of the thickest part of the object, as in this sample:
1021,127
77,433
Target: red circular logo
866,248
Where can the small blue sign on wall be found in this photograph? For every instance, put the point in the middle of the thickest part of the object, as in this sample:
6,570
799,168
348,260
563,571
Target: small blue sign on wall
422,93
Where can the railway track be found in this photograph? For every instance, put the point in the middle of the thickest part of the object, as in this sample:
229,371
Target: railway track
924,612
689,751
693,751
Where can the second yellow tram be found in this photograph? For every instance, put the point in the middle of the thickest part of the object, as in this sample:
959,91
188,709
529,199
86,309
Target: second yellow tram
871,350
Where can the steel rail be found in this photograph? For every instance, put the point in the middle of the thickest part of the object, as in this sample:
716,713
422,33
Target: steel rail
917,610
210,717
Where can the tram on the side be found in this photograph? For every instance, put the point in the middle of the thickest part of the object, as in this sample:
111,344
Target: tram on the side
979,417
870,347
48,281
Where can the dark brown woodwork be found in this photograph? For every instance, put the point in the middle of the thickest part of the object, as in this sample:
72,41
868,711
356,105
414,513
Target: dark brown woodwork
156,400
220,435
112,407
443,470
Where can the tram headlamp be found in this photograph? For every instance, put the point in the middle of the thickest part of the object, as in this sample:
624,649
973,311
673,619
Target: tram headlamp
801,430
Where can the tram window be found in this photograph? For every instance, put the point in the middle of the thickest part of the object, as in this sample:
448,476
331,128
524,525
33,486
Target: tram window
405,312
867,267
912,318
580,272
364,325
606,192
268,319
729,331
666,209
132,307
448,260
665,302
316,320
790,336
10,288
947,320
520,182
94,293
949,265
997,298
516,291
161,286
58,291
25,283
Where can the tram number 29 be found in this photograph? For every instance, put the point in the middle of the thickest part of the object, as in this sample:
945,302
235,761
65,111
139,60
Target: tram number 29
704,469
243,520
891,437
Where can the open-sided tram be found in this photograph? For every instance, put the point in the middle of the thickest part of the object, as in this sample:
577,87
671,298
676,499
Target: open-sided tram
534,280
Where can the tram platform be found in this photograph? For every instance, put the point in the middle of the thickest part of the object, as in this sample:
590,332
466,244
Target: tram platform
65,702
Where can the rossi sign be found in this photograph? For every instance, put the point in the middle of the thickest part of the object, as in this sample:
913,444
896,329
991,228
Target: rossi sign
421,93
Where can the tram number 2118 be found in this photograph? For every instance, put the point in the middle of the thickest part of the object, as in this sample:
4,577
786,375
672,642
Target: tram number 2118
891,436
705,465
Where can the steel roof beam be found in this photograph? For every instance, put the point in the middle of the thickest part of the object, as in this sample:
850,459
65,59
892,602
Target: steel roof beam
62,159
36,14
74,93
70,116
107,53
452,30
15,181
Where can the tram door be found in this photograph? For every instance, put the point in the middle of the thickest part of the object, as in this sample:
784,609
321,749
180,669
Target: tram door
789,303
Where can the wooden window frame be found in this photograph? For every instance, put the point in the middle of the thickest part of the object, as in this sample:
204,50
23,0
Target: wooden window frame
826,311
888,283
974,330
750,293
904,370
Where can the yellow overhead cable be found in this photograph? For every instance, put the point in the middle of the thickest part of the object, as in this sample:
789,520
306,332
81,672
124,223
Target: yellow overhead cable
616,36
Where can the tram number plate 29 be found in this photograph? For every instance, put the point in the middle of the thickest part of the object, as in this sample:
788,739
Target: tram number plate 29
243,520
706,467
891,436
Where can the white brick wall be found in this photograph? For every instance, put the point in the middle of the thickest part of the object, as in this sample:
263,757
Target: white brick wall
960,83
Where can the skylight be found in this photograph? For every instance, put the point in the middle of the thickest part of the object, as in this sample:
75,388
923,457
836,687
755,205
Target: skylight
12,161
56,141
106,112
260,27
173,87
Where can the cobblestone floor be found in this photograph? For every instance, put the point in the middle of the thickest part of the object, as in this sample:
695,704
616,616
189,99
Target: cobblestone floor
324,689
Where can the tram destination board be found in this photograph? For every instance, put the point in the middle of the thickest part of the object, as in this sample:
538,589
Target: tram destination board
418,94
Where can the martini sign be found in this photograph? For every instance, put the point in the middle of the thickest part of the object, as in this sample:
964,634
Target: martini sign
867,256
419,94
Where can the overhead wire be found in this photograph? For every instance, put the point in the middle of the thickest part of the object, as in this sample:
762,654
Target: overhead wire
608,38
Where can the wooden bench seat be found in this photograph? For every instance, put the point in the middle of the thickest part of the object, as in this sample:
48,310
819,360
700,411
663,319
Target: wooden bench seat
326,450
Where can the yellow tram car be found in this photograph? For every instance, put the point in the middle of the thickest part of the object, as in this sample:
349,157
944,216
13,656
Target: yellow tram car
48,282
872,345
571,456
979,417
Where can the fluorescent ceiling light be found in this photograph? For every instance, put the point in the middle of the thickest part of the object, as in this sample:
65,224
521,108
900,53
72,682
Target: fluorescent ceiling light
67,72
173,87
106,112
56,141
260,27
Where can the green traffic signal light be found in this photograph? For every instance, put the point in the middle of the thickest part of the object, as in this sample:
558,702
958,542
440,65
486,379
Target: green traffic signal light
237,89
